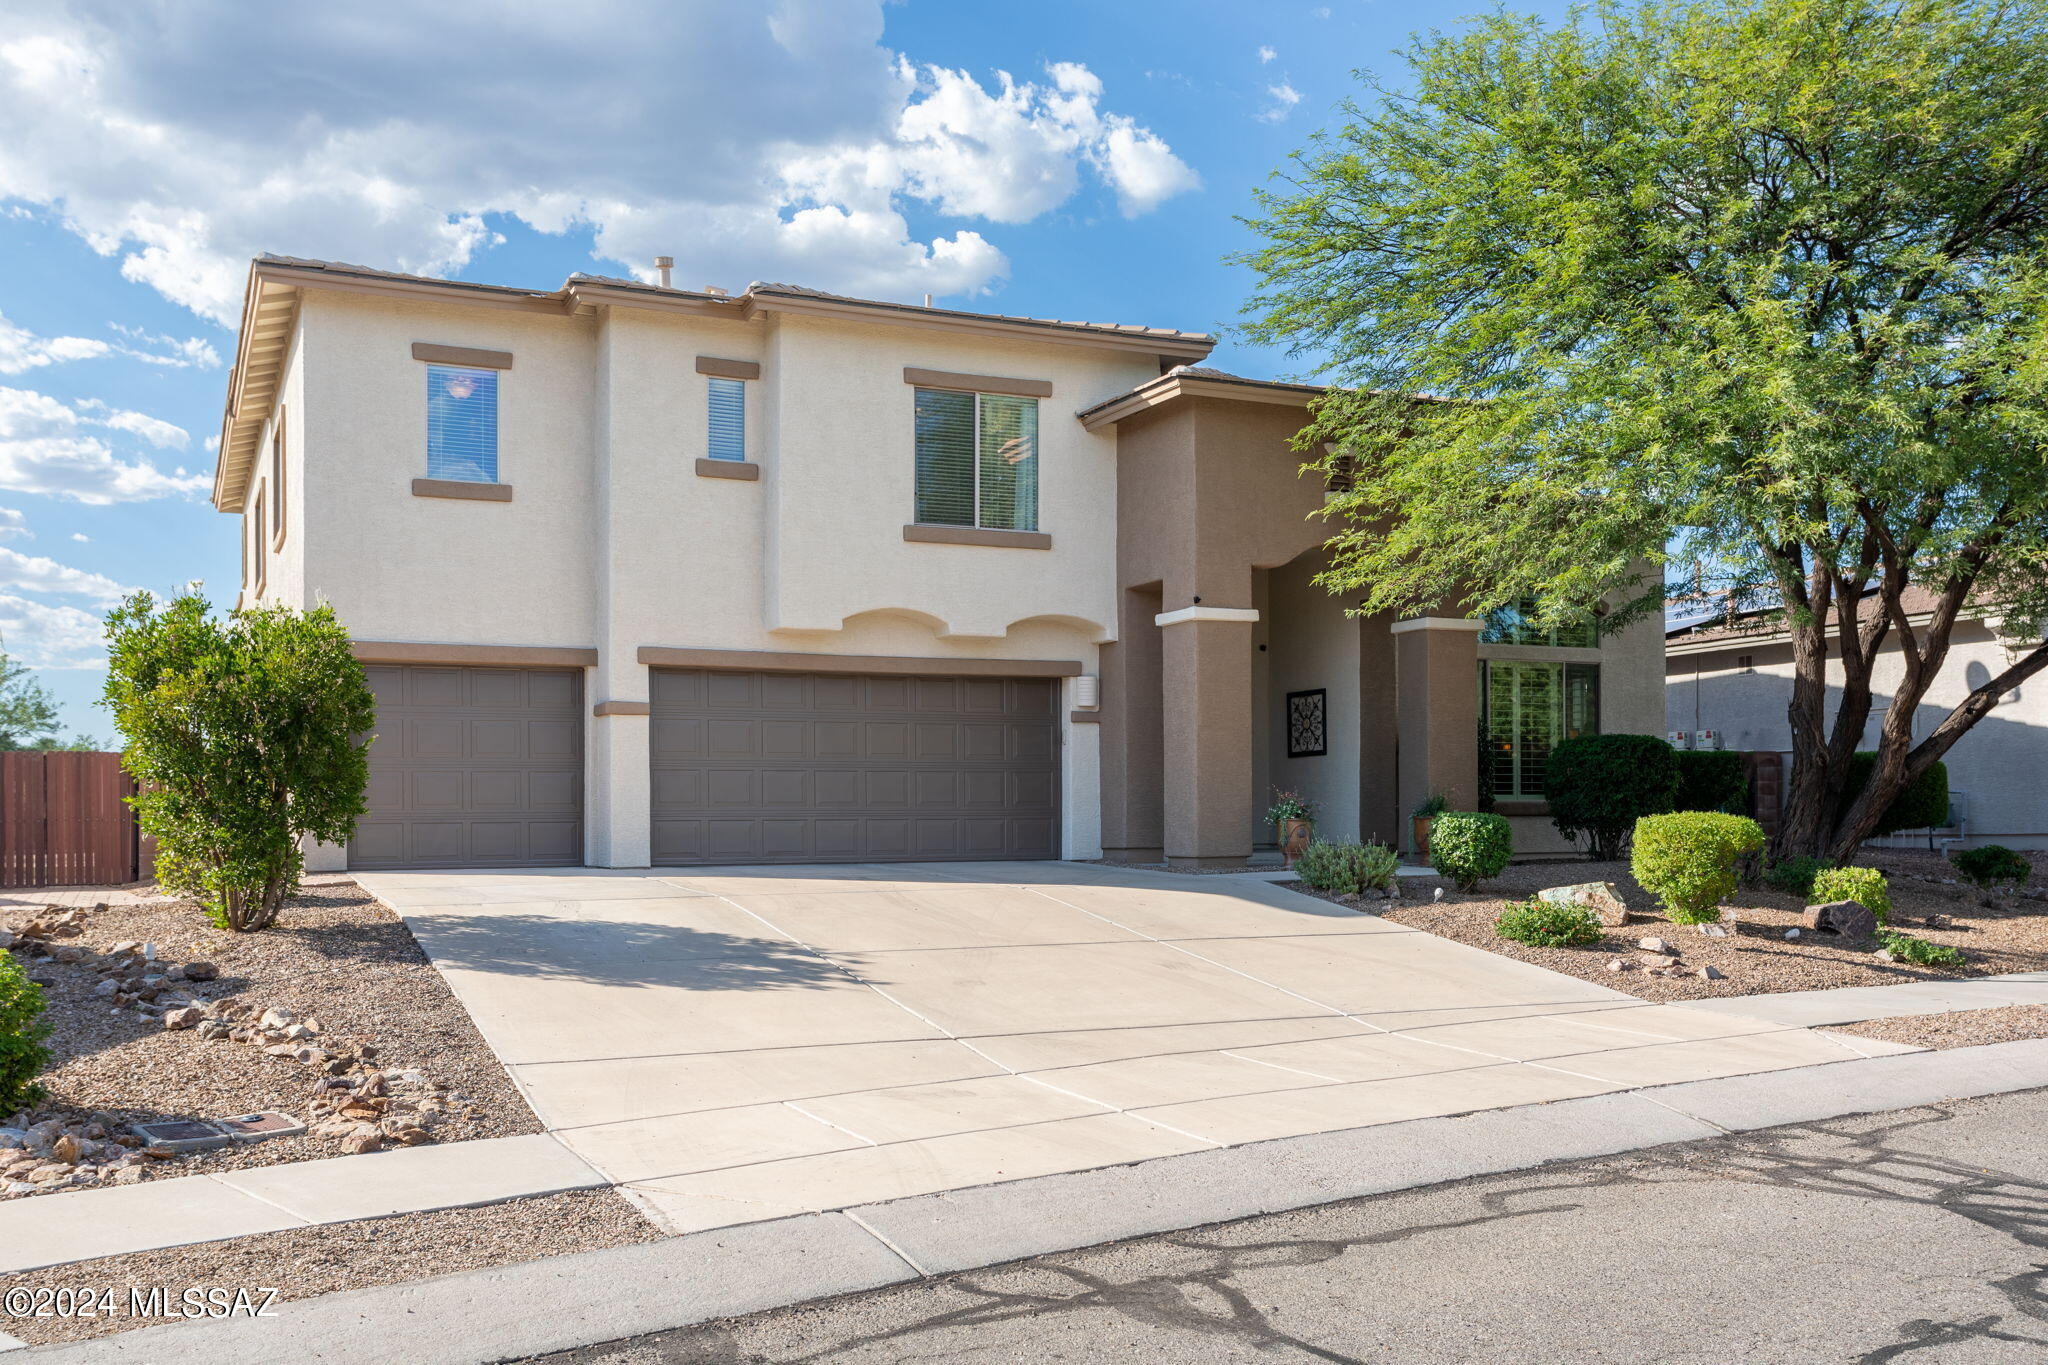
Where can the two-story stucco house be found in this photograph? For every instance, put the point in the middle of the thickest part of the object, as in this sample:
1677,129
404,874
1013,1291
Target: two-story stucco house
645,575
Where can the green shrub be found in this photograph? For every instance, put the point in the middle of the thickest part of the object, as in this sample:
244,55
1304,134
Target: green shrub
1470,846
1864,885
1687,860
1794,876
1600,785
1547,925
1919,951
1711,779
1347,868
22,1054
1991,863
1922,805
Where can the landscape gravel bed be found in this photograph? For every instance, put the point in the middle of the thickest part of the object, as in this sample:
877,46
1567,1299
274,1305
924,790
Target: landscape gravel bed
337,962
1962,1028
1996,933
305,1262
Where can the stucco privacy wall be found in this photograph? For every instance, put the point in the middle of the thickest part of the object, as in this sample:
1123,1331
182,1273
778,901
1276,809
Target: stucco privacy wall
1998,765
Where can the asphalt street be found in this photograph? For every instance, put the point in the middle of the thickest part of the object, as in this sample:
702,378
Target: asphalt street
1917,1236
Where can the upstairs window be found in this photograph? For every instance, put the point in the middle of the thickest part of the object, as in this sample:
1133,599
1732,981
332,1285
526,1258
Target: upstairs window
1514,625
728,440
277,476
977,460
462,423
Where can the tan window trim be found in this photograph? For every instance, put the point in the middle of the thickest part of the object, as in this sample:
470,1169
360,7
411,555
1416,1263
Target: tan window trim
461,355
462,488
262,550
977,383
622,708
976,535
728,469
766,661
277,458
728,369
508,656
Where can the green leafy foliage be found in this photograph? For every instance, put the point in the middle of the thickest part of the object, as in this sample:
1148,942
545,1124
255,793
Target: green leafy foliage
1864,885
244,735
1991,864
1545,925
1687,860
1922,805
1794,876
28,715
1433,805
1470,846
1919,951
1288,805
1347,868
1711,779
22,1054
1600,785
1767,274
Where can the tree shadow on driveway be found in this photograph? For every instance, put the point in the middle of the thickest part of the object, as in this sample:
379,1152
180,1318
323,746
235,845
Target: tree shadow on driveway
619,953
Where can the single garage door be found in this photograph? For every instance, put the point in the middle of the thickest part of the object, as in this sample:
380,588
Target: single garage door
474,767
823,767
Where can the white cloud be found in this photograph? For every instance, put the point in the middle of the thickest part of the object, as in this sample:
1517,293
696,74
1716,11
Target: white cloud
747,141
1284,97
33,573
22,350
13,523
45,448
154,430
51,637
81,537
1266,54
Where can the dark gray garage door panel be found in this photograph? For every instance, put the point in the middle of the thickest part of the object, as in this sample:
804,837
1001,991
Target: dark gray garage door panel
474,767
825,767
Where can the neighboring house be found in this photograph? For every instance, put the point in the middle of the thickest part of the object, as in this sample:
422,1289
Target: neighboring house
1734,677
645,575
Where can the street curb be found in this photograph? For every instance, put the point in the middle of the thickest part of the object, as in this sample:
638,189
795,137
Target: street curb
568,1301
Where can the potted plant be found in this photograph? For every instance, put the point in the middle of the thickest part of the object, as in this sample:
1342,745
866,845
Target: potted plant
1296,821
1425,815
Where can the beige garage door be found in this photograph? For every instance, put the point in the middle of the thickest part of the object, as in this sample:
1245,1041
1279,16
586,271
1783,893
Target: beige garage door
474,767
821,767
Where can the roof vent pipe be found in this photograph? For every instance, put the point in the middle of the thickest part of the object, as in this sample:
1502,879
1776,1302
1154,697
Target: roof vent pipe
927,300
662,266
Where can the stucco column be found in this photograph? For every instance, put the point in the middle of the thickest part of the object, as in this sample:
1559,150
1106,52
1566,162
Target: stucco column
1132,823
1437,707
617,782
1206,696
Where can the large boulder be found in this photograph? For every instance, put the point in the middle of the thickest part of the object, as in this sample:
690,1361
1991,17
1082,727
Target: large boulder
1599,897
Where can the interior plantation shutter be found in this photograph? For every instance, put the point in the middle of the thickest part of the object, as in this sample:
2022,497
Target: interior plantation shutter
728,419
945,457
462,424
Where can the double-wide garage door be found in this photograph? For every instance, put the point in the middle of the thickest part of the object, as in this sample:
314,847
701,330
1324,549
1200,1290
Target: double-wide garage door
473,767
825,767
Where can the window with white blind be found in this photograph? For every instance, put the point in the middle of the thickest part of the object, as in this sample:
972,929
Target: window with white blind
728,438
977,460
462,423
1528,709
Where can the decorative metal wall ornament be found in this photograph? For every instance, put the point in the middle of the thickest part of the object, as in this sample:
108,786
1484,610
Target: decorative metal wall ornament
1307,732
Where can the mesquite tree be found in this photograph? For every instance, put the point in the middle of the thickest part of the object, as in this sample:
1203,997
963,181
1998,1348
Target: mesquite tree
244,735
1753,289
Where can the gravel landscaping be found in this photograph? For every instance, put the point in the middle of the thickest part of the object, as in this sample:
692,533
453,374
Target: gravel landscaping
1963,1028
306,1262
333,1017
1996,933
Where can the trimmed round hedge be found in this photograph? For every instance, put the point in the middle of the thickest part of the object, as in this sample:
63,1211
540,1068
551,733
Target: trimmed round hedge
1687,860
1600,785
1470,846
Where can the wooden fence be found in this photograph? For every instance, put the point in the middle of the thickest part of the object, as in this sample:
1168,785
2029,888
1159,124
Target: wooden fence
63,822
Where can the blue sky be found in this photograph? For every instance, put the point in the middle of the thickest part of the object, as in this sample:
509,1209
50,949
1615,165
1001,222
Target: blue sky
147,150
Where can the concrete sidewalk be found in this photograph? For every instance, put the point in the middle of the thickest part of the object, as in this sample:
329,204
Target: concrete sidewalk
552,1305
1853,1004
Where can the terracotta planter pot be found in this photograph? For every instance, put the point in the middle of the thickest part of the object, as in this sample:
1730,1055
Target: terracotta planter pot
1421,824
1294,837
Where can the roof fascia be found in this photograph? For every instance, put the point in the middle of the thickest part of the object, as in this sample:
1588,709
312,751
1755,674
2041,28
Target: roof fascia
1149,344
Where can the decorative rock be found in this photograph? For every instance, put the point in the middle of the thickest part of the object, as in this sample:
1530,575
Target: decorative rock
1620,965
188,1017
1845,919
1714,930
277,1019
1599,897
107,987
359,1143
1884,955
310,1056
201,971
1656,945
1792,933
1657,961
212,1032
8,938
1713,973
1439,893
297,1032
68,1150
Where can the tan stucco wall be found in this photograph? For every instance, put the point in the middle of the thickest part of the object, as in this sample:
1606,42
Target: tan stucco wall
1998,765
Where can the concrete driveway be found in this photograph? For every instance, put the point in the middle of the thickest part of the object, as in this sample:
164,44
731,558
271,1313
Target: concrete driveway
737,1044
